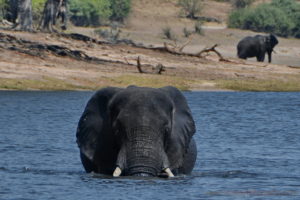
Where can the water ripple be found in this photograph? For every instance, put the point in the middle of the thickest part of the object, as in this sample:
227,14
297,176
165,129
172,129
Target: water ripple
248,148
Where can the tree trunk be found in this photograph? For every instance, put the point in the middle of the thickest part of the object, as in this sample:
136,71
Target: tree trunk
53,9
24,16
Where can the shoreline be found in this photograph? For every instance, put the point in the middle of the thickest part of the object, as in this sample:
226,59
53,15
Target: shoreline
102,64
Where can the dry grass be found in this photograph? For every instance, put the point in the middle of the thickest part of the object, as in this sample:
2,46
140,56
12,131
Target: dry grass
143,80
288,85
146,80
47,83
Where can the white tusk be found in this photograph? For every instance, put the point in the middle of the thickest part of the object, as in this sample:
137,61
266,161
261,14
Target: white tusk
117,172
169,172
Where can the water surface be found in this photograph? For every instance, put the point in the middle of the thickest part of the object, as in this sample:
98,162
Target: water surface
248,148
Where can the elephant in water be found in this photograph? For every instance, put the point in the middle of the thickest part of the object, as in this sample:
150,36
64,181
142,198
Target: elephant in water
137,131
257,46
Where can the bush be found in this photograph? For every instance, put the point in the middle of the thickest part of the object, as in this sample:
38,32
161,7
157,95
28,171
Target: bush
186,32
191,8
281,17
89,12
292,10
198,27
120,9
96,12
168,33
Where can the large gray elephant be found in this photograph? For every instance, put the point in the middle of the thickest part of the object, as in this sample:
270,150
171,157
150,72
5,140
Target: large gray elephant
257,46
137,131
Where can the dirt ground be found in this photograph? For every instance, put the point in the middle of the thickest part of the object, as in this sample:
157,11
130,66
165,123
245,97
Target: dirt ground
116,64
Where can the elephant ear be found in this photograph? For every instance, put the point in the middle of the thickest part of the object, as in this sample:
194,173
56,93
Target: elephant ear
94,121
183,128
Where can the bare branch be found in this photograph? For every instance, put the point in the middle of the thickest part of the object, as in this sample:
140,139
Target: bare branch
139,65
212,49
157,70
185,44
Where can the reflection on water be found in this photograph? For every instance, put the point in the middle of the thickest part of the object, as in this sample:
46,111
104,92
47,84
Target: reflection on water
248,148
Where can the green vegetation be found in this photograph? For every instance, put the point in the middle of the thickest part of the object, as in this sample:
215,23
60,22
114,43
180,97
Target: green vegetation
89,12
83,13
97,12
281,17
120,9
37,10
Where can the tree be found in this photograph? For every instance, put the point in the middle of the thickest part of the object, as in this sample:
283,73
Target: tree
53,10
23,11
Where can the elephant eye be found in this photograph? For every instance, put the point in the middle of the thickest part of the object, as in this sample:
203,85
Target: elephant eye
167,130
116,127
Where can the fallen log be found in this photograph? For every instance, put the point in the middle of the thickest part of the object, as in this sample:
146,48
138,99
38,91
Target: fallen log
158,69
175,50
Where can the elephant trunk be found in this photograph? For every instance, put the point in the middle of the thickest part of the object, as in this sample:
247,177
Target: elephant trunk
143,158
142,154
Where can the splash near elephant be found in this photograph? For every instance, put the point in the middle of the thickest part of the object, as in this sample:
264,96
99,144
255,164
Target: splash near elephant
137,131
257,46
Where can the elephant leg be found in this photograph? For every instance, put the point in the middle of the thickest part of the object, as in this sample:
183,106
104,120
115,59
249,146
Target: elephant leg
87,164
270,57
189,158
242,55
260,57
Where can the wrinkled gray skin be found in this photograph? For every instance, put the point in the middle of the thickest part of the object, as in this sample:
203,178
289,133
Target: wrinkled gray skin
140,130
257,46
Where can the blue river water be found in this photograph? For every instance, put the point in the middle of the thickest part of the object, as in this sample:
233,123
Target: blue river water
248,148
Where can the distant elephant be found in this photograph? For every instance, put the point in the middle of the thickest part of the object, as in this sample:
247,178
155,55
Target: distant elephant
257,46
137,131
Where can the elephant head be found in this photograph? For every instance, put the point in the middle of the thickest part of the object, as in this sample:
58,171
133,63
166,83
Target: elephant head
137,132
271,42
